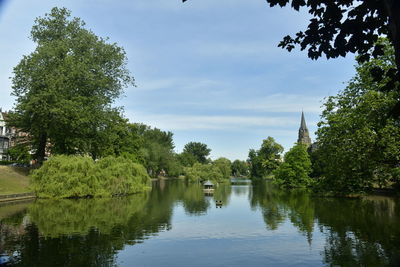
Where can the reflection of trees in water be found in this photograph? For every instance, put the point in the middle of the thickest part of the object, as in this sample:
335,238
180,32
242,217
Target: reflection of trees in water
240,190
194,201
363,230
86,232
359,232
12,225
278,205
66,216
222,193
89,232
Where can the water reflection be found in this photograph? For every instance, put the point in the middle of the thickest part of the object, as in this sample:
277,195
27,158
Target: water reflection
91,232
359,232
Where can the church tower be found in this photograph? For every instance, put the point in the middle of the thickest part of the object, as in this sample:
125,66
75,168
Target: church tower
304,136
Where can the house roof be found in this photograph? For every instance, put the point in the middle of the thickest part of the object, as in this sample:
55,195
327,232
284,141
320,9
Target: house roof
208,182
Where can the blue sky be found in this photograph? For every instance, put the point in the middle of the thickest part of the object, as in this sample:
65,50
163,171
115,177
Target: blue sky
209,71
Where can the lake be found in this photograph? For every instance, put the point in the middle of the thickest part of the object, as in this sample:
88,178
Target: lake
177,224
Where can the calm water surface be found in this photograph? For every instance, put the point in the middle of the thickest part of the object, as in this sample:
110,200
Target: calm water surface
176,224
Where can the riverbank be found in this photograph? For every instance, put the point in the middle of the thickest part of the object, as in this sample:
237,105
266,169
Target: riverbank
14,180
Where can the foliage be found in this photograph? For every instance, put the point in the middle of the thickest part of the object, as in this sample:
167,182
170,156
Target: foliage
173,166
224,165
187,159
202,172
20,153
296,168
358,144
199,150
239,168
156,150
65,88
265,160
76,176
117,137
342,26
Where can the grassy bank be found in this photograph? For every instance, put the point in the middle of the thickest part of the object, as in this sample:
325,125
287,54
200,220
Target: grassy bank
13,180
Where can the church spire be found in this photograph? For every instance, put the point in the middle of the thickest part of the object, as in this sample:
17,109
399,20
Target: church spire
304,136
303,125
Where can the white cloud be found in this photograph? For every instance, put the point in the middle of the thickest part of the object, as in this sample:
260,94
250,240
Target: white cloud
283,103
178,84
192,122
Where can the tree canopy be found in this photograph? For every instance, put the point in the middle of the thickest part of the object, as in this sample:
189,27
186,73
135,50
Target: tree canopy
224,165
358,145
295,170
265,160
199,150
64,88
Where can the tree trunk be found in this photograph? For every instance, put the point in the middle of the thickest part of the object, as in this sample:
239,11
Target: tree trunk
41,151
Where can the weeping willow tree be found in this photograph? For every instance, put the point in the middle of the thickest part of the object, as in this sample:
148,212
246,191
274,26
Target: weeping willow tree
76,176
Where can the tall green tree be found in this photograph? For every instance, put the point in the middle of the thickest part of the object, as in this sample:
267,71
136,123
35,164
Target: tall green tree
295,169
358,145
265,160
199,150
64,88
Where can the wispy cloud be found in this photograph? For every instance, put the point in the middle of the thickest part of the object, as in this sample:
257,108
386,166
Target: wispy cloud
192,122
265,50
283,103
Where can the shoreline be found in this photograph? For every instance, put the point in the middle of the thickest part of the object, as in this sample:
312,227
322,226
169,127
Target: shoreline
16,197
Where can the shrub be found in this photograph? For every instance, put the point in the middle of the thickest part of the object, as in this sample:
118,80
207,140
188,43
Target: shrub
77,176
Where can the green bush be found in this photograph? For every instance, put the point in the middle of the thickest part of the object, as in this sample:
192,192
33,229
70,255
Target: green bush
77,176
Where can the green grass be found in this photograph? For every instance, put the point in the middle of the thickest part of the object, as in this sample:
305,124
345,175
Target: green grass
13,180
